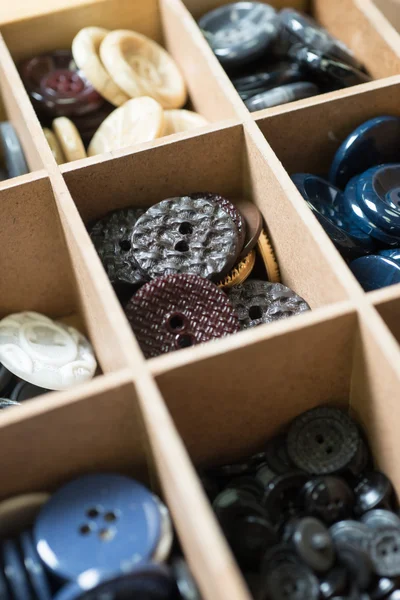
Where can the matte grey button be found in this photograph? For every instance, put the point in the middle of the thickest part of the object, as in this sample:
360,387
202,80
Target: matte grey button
282,95
13,153
385,552
381,519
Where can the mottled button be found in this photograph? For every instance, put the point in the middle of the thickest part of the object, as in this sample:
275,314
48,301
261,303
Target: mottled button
312,542
111,236
294,581
254,224
179,311
282,496
385,552
328,498
322,440
34,568
282,95
372,143
381,519
69,139
138,120
141,67
186,235
110,524
177,121
239,33
375,272
12,150
86,52
257,302
25,391
46,353
373,490
57,87
15,572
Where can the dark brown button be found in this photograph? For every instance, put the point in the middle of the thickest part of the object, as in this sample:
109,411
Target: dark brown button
254,224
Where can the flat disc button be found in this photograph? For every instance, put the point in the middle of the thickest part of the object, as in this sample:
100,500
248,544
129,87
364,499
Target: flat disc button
186,235
385,552
239,33
328,498
294,581
179,311
322,440
381,519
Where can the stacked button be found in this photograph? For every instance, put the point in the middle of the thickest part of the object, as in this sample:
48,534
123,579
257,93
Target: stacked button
359,206
191,269
274,58
308,517
78,544
12,152
112,90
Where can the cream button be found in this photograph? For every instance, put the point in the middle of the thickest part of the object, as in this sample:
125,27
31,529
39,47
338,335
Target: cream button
85,50
69,139
177,121
138,120
141,67
54,146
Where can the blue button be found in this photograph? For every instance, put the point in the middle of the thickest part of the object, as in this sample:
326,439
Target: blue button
15,572
375,272
327,203
373,143
103,523
377,193
393,253
147,582
34,568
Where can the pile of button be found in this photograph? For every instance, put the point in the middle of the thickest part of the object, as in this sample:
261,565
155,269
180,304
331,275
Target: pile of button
38,354
12,152
99,536
181,269
274,58
359,204
76,92
308,518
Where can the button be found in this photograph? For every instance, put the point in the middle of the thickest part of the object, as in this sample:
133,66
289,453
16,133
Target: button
282,496
141,67
12,151
373,490
4,593
334,583
383,587
322,440
184,580
357,562
5,403
372,143
279,75
46,353
267,253
14,571
282,95
378,196
253,225
111,238
240,272
69,139
85,49
351,533
177,121
144,581
186,235
248,484
87,125
381,519
375,272
328,205
97,512
34,568
276,455
385,552
265,475
57,87
258,302
294,581
19,512
138,120
312,542
328,498
179,311
361,462
25,391
54,146
239,33
393,253
6,380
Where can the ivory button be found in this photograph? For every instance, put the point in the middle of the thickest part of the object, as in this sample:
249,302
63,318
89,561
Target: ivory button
138,120
69,139
85,49
54,146
141,67
177,121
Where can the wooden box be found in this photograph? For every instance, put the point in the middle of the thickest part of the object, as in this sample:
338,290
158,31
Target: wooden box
162,418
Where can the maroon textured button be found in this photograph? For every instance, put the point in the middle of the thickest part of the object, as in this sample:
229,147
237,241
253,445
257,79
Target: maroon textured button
57,87
179,311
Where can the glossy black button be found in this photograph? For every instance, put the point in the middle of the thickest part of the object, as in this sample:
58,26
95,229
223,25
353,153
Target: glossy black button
312,542
381,519
352,533
282,496
383,587
276,455
282,95
256,83
385,552
5,379
24,391
375,272
373,490
248,484
328,498
323,440
294,581
334,583
265,475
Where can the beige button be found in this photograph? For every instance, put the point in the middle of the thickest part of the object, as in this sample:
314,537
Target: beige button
69,139
54,146
182,120
138,120
85,50
141,67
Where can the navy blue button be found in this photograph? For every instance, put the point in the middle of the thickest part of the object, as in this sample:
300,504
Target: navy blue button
15,572
104,523
392,253
375,272
373,143
34,568
328,205
378,196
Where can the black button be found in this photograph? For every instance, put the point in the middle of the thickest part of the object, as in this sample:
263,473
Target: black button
328,498
291,581
312,542
276,455
382,588
357,562
25,390
373,490
352,533
265,475
282,496
334,583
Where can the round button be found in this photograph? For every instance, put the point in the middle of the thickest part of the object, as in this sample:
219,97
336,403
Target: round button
283,94
109,524
372,143
294,581
357,562
177,121
267,253
179,311
25,391
69,139
186,235
253,226
44,352
381,519
6,378
323,440
239,33
276,455
54,146
312,542
385,552
328,498
378,195
351,533
34,568
375,272
373,490
257,302
12,150
138,120
14,571
282,496
141,67
334,583
262,81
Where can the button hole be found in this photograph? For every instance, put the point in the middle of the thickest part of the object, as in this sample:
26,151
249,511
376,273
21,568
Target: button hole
110,516
125,245
185,228
85,529
182,246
